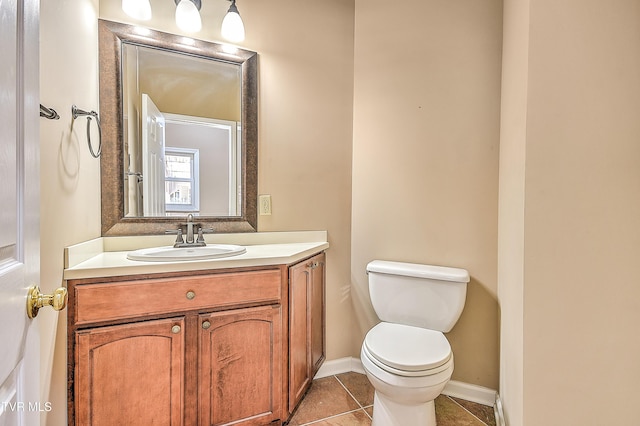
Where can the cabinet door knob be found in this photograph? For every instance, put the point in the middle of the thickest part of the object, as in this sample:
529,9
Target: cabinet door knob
206,325
191,295
175,329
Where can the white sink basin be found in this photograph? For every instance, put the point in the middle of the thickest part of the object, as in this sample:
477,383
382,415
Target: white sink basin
172,254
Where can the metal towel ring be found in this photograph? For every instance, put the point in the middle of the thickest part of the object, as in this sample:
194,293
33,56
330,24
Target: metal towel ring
77,112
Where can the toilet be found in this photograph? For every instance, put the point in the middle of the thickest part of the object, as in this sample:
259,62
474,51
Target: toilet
406,357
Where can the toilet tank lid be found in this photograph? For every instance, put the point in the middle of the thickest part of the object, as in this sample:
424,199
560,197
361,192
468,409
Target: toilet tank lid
443,273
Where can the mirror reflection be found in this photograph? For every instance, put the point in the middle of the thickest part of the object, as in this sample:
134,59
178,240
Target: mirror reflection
182,139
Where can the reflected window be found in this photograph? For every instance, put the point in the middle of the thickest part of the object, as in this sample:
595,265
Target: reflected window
182,180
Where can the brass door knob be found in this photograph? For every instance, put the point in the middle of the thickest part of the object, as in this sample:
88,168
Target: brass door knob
37,300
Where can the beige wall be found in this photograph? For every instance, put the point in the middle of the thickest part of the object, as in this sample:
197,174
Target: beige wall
69,175
583,212
515,68
425,150
581,230
305,131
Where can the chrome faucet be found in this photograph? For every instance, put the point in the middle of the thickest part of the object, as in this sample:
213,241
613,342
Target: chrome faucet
189,228
191,240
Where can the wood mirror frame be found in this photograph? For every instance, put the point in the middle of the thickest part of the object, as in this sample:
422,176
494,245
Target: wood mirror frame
114,222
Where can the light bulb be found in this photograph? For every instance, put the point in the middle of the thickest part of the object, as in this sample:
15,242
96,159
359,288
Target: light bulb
138,9
188,17
232,25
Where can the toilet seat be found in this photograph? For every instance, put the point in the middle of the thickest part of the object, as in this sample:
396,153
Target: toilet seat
406,350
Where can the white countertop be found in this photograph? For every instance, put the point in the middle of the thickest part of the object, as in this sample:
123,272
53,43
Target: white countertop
107,256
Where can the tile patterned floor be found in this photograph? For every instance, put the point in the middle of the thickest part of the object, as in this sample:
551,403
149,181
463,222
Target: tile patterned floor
347,400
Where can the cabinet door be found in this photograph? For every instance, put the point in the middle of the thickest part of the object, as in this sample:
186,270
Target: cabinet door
299,342
240,368
306,325
317,313
130,374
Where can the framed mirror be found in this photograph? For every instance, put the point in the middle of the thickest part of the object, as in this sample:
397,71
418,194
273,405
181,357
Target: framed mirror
179,132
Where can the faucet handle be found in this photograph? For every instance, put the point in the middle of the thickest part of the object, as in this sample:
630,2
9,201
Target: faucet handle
178,232
201,231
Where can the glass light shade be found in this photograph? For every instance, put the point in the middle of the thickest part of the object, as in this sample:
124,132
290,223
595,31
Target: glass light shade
188,17
138,9
232,26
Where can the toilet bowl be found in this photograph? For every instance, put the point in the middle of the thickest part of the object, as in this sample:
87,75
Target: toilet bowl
407,357
406,377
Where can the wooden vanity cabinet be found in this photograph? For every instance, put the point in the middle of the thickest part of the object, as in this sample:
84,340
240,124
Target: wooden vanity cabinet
222,347
306,325
203,349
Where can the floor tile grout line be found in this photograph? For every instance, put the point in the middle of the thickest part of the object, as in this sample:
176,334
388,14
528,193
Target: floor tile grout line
459,405
334,416
364,409
351,395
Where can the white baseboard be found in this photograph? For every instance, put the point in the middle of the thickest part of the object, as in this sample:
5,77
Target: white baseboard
469,392
466,391
339,366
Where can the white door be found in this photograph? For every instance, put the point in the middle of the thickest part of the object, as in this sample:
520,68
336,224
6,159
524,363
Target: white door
19,212
153,198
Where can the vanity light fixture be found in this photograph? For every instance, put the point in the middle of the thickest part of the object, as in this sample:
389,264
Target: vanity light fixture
138,9
188,17
232,25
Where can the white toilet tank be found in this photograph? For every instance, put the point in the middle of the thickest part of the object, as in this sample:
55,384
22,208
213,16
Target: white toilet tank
420,295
